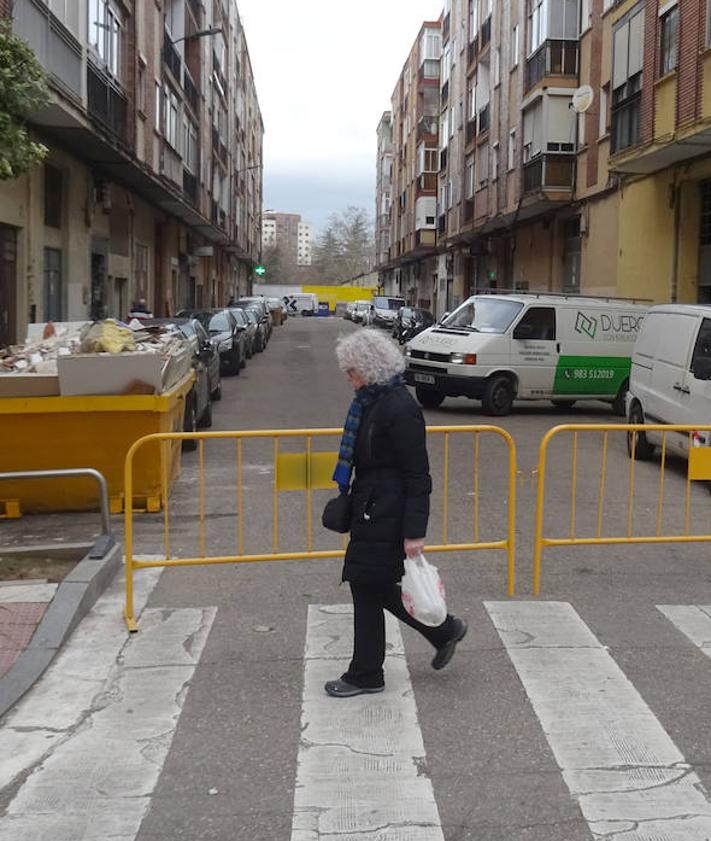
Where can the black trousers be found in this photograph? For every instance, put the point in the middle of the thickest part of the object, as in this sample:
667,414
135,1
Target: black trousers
369,601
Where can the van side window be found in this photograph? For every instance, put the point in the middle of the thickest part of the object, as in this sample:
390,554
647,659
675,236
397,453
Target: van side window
701,359
537,323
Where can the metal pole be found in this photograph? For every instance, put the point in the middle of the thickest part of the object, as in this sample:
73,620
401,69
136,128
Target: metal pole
79,471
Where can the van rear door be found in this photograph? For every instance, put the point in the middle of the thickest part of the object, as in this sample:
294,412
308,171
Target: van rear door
535,351
695,395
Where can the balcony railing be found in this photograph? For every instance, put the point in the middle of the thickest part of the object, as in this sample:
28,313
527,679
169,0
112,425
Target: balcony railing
553,58
192,94
548,171
190,185
105,102
171,57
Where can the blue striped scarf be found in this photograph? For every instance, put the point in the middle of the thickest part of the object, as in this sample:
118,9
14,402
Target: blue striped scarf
364,397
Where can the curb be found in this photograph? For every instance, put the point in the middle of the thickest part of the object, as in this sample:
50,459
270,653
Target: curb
75,597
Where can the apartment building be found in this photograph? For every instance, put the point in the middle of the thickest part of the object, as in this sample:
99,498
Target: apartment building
288,233
383,187
574,150
153,183
410,267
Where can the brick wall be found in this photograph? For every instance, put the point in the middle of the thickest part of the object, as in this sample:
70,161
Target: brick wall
592,118
649,71
691,43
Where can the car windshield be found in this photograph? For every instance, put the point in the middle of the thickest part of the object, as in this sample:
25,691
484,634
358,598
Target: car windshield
485,315
219,323
407,312
187,329
252,316
240,317
387,303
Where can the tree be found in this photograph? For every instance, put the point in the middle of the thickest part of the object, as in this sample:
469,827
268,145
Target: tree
345,248
23,90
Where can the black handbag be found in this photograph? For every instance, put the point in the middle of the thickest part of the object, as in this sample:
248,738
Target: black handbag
338,513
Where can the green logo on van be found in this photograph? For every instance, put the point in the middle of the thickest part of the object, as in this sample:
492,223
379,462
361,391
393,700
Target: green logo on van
586,325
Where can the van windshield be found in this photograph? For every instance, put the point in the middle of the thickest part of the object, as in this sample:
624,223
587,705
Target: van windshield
485,315
387,303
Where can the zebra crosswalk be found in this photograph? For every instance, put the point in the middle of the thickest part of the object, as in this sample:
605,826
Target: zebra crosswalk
82,756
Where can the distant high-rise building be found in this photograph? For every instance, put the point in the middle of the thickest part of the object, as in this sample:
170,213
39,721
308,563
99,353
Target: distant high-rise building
289,234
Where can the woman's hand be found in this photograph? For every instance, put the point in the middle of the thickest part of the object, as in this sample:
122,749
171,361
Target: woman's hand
414,546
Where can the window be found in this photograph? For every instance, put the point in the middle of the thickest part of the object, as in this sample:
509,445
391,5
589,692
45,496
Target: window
627,50
708,24
514,45
701,359
105,34
190,147
602,128
473,19
533,131
446,64
444,129
52,196
497,67
469,178
158,124
585,15
140,270
483,157
430,46
537,324
669,41
427,159
494,161
171,118
141,88
512,150
536,24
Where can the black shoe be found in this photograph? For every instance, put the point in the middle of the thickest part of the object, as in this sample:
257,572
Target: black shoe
342,689
445,654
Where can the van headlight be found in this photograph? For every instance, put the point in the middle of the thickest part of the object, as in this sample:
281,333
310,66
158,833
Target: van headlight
463,358
408,352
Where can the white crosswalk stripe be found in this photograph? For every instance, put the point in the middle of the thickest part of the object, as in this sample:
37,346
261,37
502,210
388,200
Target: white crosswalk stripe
693,620
89,742
628,776
361,760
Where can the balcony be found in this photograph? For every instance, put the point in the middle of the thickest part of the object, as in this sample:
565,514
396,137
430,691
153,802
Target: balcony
427,127
486,32
554,58
192,94
171,57
105,102
548,172
190,185
427,182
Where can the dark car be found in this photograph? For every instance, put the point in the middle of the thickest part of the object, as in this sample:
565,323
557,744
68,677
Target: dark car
227,336
254,314
250,329
206,364
262,307
410,321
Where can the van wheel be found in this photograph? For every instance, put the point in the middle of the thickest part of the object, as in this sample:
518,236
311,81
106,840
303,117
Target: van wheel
643,450
498,396
563,405
429,398
618,404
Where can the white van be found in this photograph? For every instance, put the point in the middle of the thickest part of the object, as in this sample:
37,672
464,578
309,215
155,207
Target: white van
670,381
301,303
385,309
501,348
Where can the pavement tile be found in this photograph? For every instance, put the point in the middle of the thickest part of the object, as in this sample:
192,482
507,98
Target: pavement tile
7,658
16,636
21,613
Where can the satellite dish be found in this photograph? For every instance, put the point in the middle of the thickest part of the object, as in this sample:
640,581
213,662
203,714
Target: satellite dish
582,99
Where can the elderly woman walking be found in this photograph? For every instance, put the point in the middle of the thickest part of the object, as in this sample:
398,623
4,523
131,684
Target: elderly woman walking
384,440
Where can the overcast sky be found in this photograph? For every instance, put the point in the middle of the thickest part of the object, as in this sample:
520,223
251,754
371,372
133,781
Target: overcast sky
325,70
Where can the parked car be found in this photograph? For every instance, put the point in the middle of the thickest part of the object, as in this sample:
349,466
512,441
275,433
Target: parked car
669,378
264,313
410,321
227,336
385,309
256,318
363,312
250,329
349,310
206,364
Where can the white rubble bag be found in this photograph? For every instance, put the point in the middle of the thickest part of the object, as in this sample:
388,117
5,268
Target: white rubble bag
423,595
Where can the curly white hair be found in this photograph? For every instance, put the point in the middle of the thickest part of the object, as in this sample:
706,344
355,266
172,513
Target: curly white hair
371,354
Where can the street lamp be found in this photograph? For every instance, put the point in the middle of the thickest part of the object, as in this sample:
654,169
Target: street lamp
215,30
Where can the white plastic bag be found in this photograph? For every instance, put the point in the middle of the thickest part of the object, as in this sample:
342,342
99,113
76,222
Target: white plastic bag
423,594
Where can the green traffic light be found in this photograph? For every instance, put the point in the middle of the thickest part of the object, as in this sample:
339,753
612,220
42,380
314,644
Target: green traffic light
260,271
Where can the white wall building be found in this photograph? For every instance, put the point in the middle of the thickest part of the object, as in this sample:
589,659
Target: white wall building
304,245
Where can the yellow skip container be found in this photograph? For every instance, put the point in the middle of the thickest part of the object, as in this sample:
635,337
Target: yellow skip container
51,433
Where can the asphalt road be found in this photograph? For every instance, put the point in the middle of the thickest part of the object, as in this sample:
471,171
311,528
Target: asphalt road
583,715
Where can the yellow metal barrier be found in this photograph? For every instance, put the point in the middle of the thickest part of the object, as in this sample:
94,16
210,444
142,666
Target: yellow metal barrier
699,468
307,471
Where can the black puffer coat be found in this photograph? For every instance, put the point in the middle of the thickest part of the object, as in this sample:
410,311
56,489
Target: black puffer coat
391,492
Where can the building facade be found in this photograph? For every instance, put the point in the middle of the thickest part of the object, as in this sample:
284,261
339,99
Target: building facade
153,184
383,188
573,152
288,233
